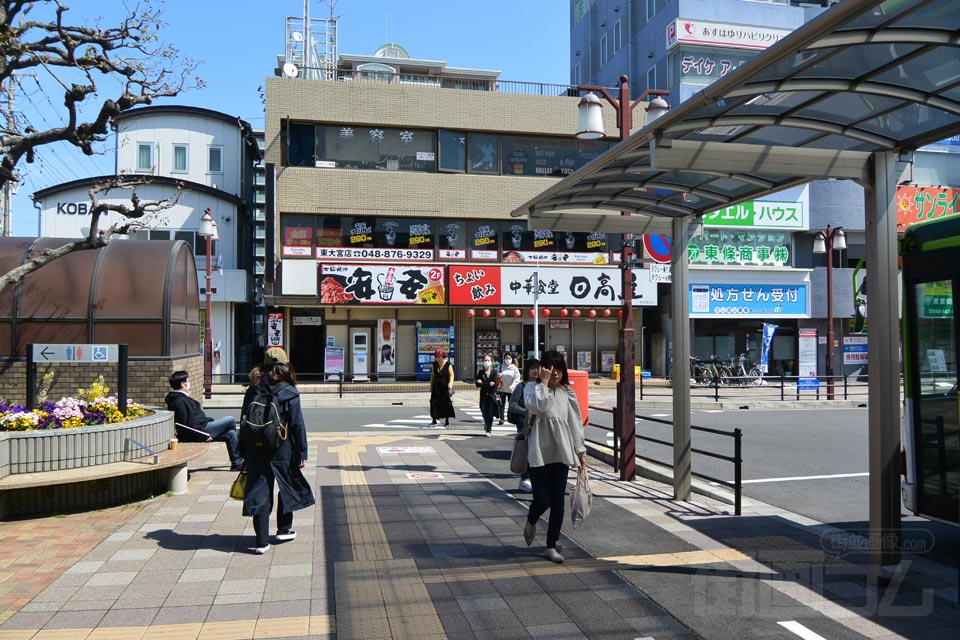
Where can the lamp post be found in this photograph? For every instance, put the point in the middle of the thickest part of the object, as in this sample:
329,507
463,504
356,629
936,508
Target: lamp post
825,242
590,127
208,230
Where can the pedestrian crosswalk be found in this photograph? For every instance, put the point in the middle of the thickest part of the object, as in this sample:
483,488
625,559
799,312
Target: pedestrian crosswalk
467,418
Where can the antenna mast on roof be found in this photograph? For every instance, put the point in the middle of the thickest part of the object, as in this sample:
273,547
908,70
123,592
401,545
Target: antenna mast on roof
311,45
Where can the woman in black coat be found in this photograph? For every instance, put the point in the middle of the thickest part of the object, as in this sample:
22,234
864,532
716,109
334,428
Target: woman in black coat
441,389
283,464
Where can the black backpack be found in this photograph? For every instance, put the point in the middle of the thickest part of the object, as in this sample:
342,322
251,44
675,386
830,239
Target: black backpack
263,427
518,408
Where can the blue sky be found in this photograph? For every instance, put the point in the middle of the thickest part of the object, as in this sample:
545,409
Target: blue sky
238,41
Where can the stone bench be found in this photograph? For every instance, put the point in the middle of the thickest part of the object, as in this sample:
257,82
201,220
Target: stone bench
68,469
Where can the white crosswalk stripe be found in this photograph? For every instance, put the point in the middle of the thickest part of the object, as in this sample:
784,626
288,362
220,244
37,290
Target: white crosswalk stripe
467,418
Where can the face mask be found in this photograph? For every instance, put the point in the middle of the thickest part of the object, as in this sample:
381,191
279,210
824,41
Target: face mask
487,364
507,361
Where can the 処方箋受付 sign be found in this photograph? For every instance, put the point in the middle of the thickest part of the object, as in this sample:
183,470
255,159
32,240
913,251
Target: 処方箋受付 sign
748,300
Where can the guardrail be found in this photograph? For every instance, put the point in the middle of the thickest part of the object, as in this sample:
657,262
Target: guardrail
736,458
782,387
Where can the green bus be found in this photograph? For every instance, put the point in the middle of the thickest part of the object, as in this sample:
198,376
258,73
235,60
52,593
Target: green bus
930,430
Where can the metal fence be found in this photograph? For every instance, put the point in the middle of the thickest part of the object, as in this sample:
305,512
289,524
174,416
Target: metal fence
776,388
736,459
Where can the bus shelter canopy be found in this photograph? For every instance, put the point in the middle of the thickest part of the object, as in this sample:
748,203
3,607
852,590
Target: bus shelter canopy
864,76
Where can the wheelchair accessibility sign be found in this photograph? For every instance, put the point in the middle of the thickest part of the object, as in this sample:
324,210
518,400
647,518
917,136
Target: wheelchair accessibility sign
76,353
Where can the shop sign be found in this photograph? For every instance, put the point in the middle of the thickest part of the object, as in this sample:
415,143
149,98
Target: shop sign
523,245
391,239
722,34
855,350
275,329
559,323
760,214
916,204
387,346
748,300
381,284
484,241
740,247
937,300
307,321
558,286
298,241
333,359
705,66
659,272
369,253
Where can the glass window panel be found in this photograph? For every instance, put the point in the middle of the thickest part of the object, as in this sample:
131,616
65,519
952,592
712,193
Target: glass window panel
179,158
144,157
484,153
300,143
159,234
927,72
910,121
186,236
330,231
453,151
542,156
844,108
784,136
603,49
855,61
617,37
403,233
452,240
358,232
938,428
216,160
297,233
484,243
381,148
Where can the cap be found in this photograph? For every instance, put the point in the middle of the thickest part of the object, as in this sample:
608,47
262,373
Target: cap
440,353
276,355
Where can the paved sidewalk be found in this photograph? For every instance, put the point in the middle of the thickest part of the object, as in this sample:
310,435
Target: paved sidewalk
419,536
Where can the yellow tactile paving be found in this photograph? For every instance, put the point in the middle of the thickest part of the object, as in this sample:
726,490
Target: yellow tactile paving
228,630
188,631
117,633
282,627
63,634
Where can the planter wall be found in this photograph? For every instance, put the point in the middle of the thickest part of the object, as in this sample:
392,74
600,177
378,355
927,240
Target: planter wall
58,449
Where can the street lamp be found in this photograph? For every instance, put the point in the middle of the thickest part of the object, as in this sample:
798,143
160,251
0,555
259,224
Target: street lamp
825,242
590,127
208,230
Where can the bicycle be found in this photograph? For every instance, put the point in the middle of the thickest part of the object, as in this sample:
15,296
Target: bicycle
746,371
699,372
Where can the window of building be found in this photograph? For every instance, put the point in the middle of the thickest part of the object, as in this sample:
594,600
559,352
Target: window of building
603,50
542,156
652,77
179,158
453,151
388,149
297,233
300,145
215,162
484,153
576,74
651,9
617,37
578,10
144,156
484,240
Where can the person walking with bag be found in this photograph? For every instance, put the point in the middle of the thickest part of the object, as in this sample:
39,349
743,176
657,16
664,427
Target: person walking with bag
279,454
554,444
517,414
441,389
487,379
509,380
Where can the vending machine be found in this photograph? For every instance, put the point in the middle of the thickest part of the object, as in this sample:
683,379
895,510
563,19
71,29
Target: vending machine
360,351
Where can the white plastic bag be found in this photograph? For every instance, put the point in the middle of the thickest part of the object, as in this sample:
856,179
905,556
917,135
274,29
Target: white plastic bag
581,499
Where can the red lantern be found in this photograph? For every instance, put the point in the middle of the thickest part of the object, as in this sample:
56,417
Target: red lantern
486,313
530,313
501,313
620,313
546,313
592,313
517,313
576,313
606,313
564,313
471,313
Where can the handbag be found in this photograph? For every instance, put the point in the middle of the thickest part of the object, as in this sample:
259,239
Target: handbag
581,499
452,391
518,459
238,486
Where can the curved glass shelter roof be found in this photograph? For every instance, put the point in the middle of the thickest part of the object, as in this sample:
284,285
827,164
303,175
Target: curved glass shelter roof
864,76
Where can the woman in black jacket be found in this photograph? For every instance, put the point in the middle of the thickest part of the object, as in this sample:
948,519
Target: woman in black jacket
488,379
283,464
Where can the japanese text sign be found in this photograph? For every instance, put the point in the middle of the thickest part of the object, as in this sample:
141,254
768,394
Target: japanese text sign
483,285
381,284
760,214
275,329
720,34
749,300
916,204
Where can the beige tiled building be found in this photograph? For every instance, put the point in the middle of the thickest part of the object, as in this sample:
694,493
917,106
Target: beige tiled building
393,187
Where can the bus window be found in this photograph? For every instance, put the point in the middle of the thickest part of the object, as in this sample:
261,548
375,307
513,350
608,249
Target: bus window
938,422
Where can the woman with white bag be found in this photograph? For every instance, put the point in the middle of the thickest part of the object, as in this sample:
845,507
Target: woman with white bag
555,443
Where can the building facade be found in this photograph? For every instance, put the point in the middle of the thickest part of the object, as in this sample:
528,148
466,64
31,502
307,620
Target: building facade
209,156
388,193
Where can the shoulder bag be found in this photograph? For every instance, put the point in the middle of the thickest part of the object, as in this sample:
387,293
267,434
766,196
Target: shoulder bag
239,486
520,456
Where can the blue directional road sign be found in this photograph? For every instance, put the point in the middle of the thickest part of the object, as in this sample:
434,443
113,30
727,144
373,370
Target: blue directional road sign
75,353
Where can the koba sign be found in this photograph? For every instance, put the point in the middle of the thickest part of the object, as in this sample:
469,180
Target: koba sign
73,208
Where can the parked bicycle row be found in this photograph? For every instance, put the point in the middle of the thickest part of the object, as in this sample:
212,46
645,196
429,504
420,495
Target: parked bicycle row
713,371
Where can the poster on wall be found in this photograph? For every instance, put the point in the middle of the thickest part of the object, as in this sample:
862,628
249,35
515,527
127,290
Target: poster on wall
523,245
496,285
484,241
381,284
429,339
607,360
275,329
585,361
386,347
452,238
333,359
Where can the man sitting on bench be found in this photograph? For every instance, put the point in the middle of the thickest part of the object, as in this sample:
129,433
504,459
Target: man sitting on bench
193,425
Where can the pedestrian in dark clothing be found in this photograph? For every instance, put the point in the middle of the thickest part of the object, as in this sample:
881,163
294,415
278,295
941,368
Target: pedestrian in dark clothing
283,464
441,390
191,424
518,412
487,380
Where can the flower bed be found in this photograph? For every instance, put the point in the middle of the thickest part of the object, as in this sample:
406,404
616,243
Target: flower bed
92,407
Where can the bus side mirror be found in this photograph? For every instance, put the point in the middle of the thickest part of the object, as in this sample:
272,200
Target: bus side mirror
859,315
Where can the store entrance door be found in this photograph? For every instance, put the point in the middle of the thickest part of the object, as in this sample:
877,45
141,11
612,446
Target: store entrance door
306,351
528,339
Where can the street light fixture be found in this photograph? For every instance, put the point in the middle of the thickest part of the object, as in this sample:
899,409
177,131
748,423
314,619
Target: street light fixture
825,242
590,127
208,230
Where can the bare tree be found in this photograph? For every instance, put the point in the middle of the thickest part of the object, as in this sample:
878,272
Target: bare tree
101,72
138,214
